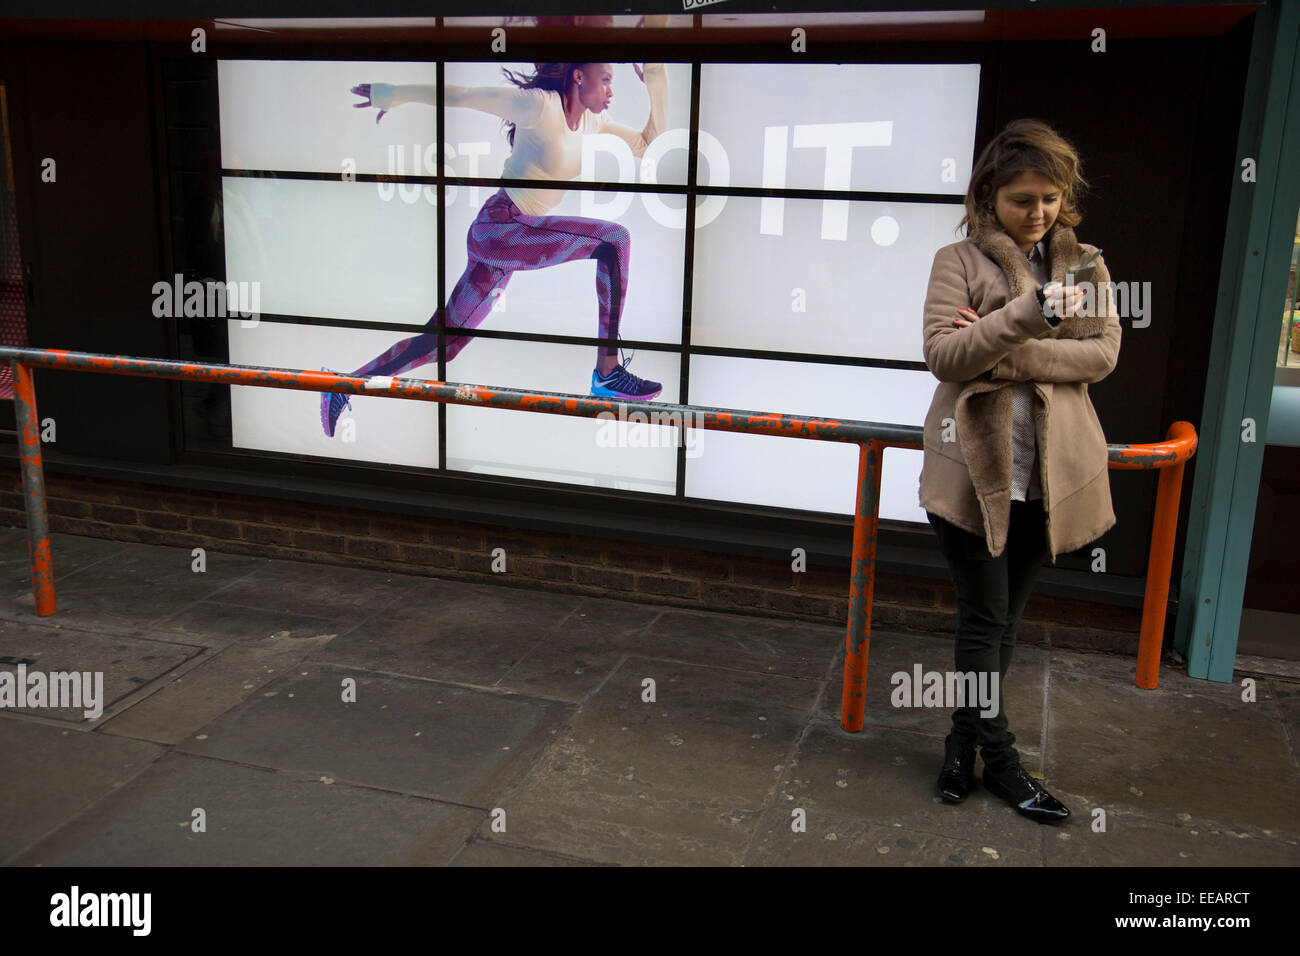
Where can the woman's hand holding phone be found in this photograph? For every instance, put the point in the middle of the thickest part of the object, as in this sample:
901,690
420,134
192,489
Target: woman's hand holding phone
1062,300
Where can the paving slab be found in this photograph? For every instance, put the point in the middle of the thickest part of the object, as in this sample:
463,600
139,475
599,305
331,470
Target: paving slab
453,631
845,841
136,586
69,553
680,780
343,594
224,680
127,664
215,624
1130,839
884,777
253,817
1285,698
789,648
479,853
1121,670
572,660
421,737
1165,752
52,774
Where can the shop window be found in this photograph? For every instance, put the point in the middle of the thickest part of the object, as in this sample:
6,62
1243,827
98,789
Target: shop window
1289,350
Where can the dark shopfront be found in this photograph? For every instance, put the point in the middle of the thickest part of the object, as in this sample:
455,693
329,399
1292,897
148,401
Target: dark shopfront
132,118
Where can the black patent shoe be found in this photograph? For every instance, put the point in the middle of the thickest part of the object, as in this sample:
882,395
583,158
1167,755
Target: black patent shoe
1026,794
958,773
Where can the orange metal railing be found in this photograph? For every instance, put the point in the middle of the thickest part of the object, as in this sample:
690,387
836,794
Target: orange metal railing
872,438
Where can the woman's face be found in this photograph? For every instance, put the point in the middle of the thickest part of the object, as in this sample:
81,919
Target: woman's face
1027,206
594,84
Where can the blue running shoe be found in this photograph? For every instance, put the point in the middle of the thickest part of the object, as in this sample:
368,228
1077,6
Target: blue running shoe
620,383
332,405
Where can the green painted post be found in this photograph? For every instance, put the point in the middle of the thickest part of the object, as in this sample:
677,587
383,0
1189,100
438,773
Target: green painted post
1257,250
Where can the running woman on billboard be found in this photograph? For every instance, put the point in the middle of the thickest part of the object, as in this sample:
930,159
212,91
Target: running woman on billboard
546,115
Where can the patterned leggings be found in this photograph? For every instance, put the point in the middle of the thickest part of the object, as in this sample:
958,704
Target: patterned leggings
501,241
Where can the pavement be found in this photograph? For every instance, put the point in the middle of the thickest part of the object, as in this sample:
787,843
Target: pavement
270,712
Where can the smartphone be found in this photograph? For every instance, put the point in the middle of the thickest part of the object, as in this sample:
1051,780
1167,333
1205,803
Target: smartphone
1083,270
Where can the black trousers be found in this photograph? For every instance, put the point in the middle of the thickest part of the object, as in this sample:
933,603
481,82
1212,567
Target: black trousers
991,595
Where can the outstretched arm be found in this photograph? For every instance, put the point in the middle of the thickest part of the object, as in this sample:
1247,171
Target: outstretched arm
656,82
519,106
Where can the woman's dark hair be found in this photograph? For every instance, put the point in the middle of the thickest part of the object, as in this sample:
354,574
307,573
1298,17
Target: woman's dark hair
1025,145
547,76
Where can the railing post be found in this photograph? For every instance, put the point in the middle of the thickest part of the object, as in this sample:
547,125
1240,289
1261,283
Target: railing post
29,451
862,580
1154,604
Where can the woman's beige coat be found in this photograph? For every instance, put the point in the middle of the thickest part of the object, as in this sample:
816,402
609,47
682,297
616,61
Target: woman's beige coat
966,473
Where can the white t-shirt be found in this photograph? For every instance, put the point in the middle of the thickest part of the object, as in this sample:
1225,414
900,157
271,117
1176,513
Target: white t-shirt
545,147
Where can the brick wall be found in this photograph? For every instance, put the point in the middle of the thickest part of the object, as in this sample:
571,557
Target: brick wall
651,574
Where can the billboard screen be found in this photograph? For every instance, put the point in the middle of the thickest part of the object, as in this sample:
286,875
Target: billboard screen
819,195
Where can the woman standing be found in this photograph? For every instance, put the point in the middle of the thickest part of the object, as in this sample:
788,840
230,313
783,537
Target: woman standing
547,114
1015,461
